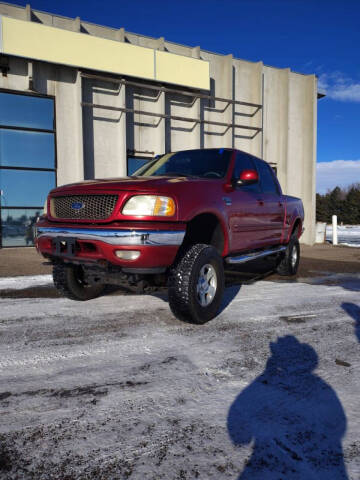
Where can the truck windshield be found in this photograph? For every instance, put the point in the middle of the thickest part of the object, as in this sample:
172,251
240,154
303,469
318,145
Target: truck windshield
209,163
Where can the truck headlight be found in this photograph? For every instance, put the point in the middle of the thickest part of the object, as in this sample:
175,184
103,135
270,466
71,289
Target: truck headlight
45,211
149,205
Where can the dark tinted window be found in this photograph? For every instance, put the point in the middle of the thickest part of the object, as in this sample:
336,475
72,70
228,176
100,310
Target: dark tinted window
27,164
244,161
26,111
135,163
268,184
18,226
209,163
22,188
20,148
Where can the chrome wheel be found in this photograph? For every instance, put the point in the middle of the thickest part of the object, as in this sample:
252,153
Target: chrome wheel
294,256
206,285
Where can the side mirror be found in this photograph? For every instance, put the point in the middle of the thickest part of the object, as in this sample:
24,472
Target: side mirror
248,177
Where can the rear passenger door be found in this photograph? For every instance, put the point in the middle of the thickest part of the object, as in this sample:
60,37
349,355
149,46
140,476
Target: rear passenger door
272,216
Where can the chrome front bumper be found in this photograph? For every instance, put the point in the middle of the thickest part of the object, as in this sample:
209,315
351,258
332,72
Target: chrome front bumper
116,237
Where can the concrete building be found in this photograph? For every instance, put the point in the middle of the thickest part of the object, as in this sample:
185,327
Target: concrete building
97,102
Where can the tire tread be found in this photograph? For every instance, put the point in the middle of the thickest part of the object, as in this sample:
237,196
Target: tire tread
180,299
63,276
284,267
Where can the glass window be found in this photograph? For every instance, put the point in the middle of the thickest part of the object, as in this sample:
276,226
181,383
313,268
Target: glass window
134,163
24,145
242,162
25,187
27,149
208,163
17,226
268,184
26,111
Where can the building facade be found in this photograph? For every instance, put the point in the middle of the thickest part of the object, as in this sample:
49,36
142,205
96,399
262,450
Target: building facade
81,101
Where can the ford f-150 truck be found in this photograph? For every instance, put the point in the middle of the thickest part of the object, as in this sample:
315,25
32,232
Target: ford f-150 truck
176,221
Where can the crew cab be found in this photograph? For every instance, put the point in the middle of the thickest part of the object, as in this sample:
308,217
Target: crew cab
178,220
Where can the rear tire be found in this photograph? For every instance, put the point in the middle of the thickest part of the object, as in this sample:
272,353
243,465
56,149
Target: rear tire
69,281
289,263
196,284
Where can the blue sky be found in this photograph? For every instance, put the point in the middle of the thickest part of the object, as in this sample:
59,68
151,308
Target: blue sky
309,36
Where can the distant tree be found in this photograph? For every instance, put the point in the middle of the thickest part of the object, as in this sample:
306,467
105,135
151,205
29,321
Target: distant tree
352,206
356,186
322,212
345,203
335,200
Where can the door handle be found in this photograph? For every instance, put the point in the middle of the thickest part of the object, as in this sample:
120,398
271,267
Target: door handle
260,201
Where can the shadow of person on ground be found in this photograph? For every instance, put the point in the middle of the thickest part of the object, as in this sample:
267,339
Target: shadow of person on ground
293,418
354,311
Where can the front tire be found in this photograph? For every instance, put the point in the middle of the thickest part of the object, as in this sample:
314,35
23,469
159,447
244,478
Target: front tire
289,263
70,282
196,284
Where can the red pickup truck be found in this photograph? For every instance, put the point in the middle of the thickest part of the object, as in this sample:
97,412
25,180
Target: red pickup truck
176,221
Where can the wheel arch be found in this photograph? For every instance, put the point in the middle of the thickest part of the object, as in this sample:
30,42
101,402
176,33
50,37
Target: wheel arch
296,227
208,228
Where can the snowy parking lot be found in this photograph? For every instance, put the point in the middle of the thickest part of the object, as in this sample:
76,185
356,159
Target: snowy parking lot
117,388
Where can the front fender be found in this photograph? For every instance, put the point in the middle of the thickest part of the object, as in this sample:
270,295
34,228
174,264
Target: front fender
222,222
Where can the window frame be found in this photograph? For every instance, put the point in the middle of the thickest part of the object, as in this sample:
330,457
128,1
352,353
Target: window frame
29,129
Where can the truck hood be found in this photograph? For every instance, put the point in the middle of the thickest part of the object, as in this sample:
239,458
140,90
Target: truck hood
143,184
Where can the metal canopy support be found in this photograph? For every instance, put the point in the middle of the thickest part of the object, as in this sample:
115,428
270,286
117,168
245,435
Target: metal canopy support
161,88
167,89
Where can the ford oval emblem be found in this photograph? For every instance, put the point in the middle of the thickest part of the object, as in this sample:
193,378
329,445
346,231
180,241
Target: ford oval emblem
77,205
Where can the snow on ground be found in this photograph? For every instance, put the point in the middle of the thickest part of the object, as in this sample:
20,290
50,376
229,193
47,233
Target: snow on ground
19,283
356,245
117,388
348,235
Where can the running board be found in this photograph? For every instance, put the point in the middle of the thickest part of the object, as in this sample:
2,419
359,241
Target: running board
253,256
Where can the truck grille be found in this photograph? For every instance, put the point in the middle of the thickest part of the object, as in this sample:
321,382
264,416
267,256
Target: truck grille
84,207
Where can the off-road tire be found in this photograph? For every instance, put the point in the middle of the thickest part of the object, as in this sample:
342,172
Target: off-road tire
183,282
68,281
287,266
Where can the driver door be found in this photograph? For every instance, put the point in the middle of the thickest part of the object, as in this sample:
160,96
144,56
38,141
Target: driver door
245,210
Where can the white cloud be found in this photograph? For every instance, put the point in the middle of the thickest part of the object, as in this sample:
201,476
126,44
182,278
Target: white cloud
337,173
339,87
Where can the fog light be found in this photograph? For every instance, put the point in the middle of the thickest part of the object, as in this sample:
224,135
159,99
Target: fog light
128,254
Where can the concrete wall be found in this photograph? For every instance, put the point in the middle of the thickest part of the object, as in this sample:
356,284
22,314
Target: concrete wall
248,87
145,133
94,142
301,146
276,115
104,137
221,85
290,107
